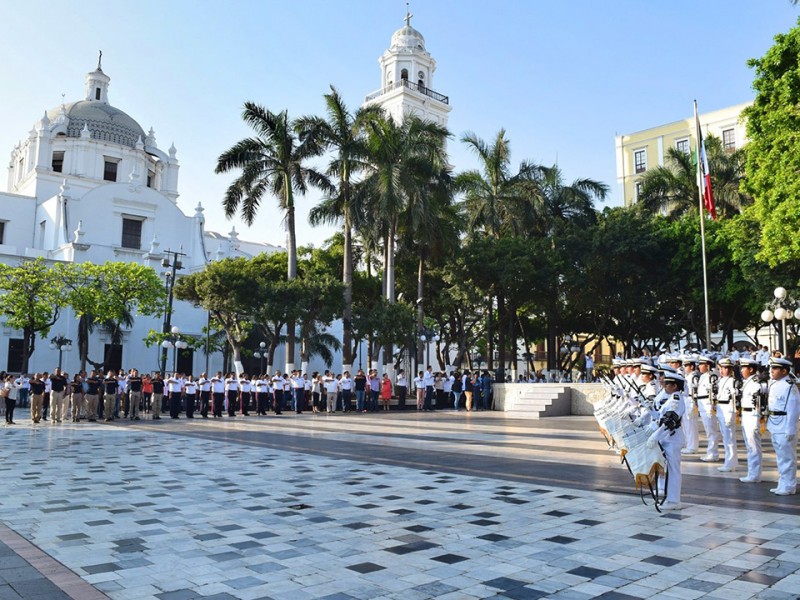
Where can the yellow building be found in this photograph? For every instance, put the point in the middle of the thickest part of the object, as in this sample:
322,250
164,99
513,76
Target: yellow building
636,153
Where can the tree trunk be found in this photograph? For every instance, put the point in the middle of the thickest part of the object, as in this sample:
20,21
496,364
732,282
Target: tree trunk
489,337
502,314
28,347
347,312
420,316
292,268
83,341
552,350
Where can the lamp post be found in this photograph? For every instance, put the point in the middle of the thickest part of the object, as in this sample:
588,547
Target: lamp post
60,343
780,308
172,262
262,354
427,335
175,342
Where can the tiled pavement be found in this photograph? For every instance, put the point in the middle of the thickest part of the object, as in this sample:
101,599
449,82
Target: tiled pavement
147,512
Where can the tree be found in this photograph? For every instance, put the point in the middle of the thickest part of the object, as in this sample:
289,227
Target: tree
272,162
32,299
111,295
342,131
773,157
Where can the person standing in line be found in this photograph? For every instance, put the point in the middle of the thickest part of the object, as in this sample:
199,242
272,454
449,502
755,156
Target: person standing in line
287,390
476,390
46,396
360,383
316,390
110,385
486,391
346,384
7,392
667,425
58,390
245,387
447,388
23,384
374,390
438,387
174,390
134,394
204,385
386,391
707,388
92,397
331,391
298,391
306,391
419,389
784,411
232,393
218,394
428,380
691,431
726,414
37,388
190,395
457,388
76,398
466,379
121,402
261,394
158,395
147,393
402,389
754,405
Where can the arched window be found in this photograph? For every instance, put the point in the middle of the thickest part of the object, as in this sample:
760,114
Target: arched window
421,80
404,74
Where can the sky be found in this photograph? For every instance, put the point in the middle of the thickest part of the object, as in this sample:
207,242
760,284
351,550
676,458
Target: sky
562,78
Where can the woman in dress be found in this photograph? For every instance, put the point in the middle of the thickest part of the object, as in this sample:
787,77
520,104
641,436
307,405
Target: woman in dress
386,391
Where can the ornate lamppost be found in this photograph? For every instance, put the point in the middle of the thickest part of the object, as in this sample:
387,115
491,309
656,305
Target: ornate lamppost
172,262
781,308
427,335
262,354
61,344
175,342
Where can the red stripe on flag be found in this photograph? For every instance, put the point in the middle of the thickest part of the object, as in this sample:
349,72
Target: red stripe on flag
708,197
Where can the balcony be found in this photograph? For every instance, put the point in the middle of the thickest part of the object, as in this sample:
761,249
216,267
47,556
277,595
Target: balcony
412,86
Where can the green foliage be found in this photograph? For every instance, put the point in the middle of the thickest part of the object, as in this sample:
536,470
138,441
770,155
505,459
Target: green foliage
773,159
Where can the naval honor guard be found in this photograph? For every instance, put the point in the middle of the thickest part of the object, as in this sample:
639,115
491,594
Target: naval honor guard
784,404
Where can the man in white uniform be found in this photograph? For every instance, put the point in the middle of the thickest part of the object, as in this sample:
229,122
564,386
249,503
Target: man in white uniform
726,414
706,396
754,395
784,405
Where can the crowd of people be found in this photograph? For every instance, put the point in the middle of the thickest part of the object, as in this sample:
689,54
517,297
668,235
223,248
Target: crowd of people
92,396
672,398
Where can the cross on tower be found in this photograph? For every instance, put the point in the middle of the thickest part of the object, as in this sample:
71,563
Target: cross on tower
408,16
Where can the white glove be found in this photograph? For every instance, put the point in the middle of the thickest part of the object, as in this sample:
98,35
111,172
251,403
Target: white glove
651,443
639,421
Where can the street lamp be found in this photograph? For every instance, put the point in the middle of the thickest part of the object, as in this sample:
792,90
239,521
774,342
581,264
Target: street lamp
262,354
175,342
780,308
427,335
61,343
173,262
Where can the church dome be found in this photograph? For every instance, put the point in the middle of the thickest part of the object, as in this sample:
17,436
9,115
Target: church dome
408,37
104,122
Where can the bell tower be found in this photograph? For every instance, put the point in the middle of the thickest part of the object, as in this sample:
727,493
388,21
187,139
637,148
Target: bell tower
407,86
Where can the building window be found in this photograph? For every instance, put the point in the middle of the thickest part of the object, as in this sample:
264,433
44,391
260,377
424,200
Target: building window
185,361
151,178
14,364
2,232
58,162
640,161
110,170
729,140
97,93
404,74
637,190
131,233
682,146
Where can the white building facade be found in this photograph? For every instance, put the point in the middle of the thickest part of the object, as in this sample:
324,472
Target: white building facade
89,185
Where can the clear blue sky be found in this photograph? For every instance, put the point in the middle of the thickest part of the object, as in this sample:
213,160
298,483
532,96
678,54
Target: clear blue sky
561,77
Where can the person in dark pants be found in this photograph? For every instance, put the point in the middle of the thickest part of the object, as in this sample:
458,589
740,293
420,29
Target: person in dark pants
158,396
401,388
174,389
190,396
205,394
6,390
232,391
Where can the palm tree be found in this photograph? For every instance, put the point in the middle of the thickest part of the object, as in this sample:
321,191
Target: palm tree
562,203
499,203
671,189
342,131
272,162
402,159
494,199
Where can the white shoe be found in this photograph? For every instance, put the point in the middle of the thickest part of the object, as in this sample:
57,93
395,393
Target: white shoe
779,492
710,458
671,506
688,451
750,479
724,469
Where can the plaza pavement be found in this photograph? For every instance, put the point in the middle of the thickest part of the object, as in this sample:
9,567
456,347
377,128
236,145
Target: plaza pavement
399,505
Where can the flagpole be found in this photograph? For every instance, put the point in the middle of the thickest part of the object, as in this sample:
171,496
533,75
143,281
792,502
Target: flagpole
702,229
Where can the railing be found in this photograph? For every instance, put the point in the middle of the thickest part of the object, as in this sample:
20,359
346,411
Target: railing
412,86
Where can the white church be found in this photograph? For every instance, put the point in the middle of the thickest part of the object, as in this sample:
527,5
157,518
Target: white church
89,184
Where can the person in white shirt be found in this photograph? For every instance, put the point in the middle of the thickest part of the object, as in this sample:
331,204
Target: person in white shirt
784,409
332,390
204,385
23,385
190,395
277,392
447,386
428,381
232,393
401,388
218,394
306,391
246,387
262,387
419,388
346,384
174,389
48,387
122,394
298,391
